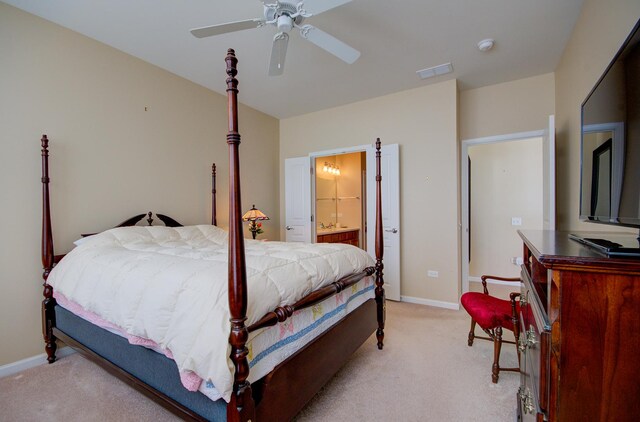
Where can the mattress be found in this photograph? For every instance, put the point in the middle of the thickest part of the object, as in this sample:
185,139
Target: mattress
168,287
154,369
268,347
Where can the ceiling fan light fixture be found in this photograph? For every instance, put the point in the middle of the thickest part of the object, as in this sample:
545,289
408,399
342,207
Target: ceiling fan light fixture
285,15
285,23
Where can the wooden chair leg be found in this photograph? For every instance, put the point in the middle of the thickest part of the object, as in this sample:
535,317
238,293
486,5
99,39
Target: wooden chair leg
472,333
497,346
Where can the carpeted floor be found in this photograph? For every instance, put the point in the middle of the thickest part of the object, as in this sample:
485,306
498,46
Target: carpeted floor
426,372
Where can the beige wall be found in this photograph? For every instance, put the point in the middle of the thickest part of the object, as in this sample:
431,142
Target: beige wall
423,122
511,107
600,31
110,158
506,182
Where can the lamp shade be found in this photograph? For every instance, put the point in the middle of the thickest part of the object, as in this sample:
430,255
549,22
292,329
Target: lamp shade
254,214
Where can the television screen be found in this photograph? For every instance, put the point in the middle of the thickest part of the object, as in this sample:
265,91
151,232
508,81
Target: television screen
610,178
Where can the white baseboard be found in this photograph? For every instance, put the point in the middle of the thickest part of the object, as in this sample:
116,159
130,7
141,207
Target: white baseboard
489,281
430,302
24,364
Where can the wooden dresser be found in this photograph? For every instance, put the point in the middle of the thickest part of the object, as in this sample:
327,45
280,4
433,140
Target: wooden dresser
580,332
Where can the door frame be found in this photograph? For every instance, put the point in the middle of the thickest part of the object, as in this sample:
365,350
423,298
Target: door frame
464,191
393,292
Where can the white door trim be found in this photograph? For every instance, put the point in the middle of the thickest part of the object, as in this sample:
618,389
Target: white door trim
464,191
339,151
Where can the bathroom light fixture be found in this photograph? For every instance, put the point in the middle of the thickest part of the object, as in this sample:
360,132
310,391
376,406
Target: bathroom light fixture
331,169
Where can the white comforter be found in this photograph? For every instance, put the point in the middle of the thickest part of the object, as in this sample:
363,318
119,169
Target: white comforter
170,285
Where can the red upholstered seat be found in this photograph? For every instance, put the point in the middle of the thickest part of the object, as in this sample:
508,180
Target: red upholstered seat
493,315
488,311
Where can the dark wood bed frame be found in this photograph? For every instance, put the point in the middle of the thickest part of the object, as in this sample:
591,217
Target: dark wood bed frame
283,392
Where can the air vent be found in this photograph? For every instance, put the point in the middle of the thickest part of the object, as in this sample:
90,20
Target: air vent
435,71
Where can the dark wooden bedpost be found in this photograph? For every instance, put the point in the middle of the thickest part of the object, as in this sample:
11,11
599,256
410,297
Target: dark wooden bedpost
48,304
241,406
214,220
380,300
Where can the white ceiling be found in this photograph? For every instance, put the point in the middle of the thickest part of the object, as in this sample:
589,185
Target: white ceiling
396,38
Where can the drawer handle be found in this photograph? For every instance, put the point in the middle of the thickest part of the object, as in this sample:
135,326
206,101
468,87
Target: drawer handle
523,301
531,337
522,343
291,228
394,230
527,339
526,400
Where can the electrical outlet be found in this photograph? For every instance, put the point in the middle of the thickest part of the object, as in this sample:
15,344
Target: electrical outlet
516,221
431,273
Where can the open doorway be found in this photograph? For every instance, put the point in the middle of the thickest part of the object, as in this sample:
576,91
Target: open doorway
527,180
340,202
505,196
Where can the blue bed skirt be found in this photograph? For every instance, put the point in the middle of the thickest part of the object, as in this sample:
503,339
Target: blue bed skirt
154,369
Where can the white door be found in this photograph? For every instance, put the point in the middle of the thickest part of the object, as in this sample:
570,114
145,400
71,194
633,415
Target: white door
297,188
549,176
390,172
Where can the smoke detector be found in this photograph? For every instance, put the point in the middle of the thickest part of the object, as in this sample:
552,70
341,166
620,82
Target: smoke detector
486,45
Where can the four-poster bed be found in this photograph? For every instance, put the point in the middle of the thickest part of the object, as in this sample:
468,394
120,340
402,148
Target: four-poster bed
303,371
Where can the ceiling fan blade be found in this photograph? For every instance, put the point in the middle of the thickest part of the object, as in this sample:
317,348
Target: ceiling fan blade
330,43
208,31
315,7
278,53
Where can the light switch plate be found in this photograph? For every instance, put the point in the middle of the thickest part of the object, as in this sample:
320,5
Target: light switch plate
516,221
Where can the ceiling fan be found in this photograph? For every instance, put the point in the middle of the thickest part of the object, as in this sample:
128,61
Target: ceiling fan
286,15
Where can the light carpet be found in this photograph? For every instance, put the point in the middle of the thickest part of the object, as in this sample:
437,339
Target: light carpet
426,372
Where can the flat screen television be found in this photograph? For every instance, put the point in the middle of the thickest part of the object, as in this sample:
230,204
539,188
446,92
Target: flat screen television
610,166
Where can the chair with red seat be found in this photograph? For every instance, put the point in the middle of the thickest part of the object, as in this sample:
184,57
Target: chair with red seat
493,315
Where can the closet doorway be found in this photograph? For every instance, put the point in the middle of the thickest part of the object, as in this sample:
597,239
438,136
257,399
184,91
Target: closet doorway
340,199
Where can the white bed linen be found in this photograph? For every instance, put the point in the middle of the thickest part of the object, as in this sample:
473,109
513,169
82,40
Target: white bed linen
170,285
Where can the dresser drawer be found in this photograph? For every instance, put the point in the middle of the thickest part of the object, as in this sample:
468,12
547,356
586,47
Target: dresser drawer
528,407
533,342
